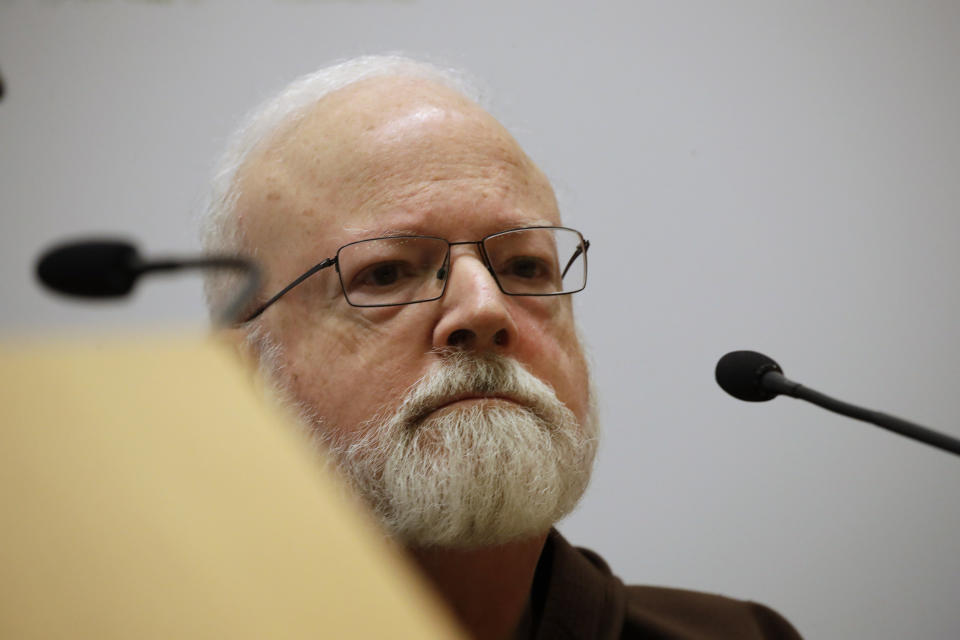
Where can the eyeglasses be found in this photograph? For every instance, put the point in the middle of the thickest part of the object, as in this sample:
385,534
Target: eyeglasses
398,270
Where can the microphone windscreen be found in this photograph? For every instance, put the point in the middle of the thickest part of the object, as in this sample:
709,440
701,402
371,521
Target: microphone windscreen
94,269
739,373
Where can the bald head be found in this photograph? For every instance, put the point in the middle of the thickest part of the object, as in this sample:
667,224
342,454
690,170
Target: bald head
219,232
378,146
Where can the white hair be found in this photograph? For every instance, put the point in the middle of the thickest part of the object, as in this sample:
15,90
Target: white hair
219,232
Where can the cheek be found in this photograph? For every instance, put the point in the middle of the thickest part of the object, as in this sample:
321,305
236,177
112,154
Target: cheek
575,377
347,368
553,351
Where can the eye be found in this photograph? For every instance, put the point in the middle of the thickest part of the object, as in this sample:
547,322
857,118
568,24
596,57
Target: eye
525,267
384,274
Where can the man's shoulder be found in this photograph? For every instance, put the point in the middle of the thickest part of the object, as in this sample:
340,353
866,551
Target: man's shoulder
648,611
680,613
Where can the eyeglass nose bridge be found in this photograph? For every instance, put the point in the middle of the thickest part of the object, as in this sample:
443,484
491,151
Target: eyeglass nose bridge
444,271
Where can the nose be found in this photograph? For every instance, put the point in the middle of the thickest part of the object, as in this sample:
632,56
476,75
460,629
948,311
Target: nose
476,315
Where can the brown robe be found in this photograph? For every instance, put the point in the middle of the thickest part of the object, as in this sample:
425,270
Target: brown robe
575,596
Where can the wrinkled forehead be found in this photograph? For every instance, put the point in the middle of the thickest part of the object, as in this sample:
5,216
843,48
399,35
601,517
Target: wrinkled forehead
383,145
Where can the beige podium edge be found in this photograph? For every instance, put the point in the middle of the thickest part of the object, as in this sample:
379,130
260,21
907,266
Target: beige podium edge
149,492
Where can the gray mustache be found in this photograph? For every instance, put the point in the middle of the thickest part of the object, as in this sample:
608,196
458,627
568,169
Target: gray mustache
465,373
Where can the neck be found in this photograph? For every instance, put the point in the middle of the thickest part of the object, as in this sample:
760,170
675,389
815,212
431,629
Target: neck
488,589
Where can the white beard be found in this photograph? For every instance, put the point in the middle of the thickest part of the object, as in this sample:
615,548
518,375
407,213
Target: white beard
474,474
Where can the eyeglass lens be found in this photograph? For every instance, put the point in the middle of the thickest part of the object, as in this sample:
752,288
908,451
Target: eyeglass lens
401,270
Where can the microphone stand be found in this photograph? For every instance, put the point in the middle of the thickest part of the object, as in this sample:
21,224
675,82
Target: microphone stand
230,315
776,382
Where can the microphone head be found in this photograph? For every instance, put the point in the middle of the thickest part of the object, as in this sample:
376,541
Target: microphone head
739,373
90,269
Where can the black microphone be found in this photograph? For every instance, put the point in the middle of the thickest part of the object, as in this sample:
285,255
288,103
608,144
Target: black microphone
107,268
754,377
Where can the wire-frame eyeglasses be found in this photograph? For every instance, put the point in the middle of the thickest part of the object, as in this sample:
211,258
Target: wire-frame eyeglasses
407,269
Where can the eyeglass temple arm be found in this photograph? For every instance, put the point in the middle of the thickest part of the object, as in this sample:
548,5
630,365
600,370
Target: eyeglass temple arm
318,267
581,249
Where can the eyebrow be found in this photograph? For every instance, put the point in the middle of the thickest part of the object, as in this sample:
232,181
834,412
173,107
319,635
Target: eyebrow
407,231
398,231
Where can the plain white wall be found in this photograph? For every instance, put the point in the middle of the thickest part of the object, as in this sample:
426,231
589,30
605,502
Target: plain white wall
776,176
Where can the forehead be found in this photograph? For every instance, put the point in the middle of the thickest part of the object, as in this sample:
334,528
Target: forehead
387,155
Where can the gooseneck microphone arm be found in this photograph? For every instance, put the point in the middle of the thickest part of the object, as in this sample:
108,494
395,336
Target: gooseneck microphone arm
231,314
778,383
108,268
754,377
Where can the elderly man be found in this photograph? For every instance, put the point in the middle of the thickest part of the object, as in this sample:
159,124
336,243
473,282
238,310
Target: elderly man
417,314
